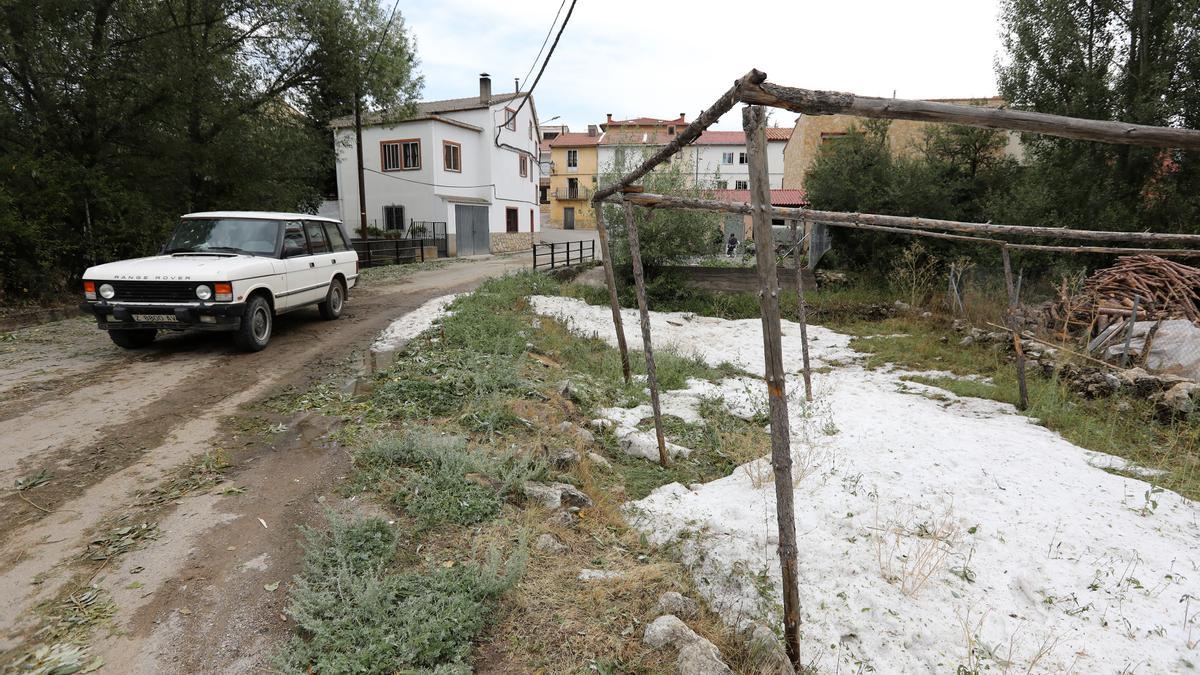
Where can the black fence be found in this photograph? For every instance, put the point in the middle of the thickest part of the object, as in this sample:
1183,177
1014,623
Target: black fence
375,252
433,232
561,254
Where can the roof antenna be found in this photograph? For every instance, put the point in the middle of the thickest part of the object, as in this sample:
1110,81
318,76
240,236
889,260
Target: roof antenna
517,85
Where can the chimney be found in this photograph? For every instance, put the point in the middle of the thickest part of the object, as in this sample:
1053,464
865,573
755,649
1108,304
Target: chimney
682,117
517,85
592,130
485,88
610,117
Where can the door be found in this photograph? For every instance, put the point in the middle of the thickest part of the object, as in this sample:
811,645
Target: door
324,261
299,267
511,218
343,256
569,218
471,230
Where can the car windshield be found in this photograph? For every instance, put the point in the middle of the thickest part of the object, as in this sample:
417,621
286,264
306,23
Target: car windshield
225,235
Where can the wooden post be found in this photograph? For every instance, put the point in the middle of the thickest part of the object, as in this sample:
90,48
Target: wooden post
1013,301
611,281
754,123
1137,299
801,314
635,255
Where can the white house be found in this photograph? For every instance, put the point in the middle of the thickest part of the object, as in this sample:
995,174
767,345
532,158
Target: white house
469,165
720,158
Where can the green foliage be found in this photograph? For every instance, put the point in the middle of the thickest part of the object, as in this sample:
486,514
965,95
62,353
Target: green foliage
357,616
431,472
665,236
117,117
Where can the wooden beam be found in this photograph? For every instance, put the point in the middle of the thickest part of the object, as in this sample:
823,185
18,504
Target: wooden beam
754,121
814,102
611,282
1011,319
801,315
639,279
690,133
1111,250
906,222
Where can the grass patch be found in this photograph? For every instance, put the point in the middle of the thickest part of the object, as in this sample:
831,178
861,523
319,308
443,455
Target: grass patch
356,614
386,273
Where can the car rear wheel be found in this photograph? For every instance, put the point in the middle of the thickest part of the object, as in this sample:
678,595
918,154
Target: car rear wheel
136,338
334,299
255,331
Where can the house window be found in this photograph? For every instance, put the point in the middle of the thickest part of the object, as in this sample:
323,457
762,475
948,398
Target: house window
544,194
452,156
402,155
741,185
722,185
393,218
531,220
670,131
531,130
523,163
572,159
741,158
510,119
510,219
727,158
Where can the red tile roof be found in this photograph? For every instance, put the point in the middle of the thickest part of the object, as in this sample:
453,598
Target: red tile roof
739,137
779,197
574,140
628,137
647,121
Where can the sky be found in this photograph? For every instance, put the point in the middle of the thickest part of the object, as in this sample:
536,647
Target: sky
658,59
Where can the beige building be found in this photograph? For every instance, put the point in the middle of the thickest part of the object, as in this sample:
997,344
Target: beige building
904,136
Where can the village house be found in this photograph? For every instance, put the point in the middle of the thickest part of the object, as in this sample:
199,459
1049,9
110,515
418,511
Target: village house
720,158
467,167
904,136
573,176
546,133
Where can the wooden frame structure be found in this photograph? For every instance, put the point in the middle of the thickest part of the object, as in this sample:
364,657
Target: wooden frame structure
753,90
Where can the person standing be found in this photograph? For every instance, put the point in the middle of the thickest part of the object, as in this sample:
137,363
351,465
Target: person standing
732,245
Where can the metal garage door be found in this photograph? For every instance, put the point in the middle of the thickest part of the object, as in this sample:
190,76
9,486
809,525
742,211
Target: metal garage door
471,230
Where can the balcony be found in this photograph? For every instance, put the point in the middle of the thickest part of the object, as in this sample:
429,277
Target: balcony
567,194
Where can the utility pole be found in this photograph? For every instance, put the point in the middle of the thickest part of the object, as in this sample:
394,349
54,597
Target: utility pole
362,188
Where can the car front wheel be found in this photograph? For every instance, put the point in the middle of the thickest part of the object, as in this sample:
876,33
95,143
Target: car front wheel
136,338
255,331
334,299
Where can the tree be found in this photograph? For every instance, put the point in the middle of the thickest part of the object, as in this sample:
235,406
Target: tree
1132,60
118,115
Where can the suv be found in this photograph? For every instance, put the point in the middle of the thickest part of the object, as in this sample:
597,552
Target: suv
225,271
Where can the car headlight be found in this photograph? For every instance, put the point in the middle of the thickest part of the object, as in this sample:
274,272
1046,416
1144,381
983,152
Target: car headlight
107,291
203,292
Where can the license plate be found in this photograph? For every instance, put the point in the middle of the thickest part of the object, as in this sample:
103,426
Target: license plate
155,318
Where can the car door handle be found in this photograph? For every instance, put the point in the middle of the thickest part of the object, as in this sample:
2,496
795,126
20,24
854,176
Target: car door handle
312,264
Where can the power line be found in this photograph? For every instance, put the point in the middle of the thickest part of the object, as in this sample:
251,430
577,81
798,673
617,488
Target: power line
541,71
543,47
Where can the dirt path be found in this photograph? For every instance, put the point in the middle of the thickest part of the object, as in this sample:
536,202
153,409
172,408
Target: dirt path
107,424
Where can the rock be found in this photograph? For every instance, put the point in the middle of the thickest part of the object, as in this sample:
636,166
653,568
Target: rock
767,652
701,658
1178,401
966,341
556,495
572,429
599,460
926,315
1173,349
565,460
901,305
675,603
599,575
645,444
563,519
601,423
1143,383
535,323
568,392
668,630
550,544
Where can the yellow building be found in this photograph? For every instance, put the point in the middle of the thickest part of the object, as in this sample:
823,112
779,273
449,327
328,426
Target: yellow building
904,136
573,175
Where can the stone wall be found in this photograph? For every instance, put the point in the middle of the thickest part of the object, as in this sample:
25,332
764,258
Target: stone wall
511,242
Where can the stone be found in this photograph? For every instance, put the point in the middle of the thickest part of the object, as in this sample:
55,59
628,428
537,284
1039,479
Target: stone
1178,401
563,519
901,305
701,658
767,651
601,423
557,495
549,543
676,604
568,392
565,459
668,630
599,460
572,429
1174,350
959,325
598,575
967,341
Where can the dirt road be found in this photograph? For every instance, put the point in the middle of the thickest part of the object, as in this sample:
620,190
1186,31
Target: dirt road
107,426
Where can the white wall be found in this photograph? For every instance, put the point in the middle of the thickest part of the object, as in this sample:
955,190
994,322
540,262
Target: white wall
710,165
490,175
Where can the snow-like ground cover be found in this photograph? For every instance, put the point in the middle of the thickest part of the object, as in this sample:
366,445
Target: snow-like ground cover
407,327
934,531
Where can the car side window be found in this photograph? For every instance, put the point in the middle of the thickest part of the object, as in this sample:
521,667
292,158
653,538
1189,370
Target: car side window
294,243
335,237
316,238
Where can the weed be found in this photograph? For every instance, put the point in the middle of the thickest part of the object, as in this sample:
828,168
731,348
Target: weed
201,473
357,616
118,541
33,480
913,545
914,272
59,658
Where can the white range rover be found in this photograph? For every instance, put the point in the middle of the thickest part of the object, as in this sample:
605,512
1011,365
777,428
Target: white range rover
225,271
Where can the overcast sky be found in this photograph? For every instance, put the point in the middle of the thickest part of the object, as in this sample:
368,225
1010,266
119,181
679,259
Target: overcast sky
653,58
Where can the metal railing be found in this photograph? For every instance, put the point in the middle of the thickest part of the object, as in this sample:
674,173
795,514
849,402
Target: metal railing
563,254
568,193
375,252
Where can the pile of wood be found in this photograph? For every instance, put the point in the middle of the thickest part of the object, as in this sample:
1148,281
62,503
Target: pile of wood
1161,288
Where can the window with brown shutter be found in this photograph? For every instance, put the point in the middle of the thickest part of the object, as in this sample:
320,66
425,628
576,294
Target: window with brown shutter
452,156
400,155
